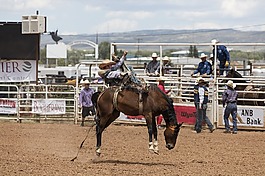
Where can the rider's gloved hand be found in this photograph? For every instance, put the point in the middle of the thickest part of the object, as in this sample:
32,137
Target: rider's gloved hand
226,64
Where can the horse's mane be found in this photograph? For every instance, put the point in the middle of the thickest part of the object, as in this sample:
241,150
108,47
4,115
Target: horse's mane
235,74
171,116
155,88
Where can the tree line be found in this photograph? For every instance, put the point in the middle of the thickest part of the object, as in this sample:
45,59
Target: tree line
74,56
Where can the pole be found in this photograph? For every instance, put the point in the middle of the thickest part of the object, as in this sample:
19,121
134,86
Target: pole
37,58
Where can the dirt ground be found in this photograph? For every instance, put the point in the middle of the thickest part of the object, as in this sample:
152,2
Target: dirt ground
46,149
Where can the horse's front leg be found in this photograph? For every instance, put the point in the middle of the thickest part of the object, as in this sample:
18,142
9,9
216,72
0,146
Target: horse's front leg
154,130
148,119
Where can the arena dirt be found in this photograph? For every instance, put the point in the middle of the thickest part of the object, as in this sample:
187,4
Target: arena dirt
46,149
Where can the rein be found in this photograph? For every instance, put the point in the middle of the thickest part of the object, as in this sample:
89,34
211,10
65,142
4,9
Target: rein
172,128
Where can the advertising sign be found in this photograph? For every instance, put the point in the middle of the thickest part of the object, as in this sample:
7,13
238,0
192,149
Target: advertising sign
17,70
8,106
49,107
247,116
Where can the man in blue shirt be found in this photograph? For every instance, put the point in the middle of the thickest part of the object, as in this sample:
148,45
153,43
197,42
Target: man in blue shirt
222,55
85,101
152,68
204,67
229,97
200,101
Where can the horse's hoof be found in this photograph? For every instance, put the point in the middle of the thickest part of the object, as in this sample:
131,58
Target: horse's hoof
156,152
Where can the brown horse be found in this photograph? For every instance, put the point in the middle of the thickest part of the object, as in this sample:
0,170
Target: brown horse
132,101
246,87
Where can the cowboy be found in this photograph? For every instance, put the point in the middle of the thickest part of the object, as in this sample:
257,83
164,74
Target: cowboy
166,65
110,70
152,68
200,101
85,100
229,98
222,55
204,67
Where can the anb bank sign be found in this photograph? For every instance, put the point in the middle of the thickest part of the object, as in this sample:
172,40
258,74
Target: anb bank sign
17,70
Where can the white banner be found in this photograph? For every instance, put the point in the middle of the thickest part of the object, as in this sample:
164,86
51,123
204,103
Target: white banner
48,107
253,117
8,106
17,70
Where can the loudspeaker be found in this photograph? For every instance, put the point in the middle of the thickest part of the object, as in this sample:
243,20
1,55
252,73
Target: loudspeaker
33,24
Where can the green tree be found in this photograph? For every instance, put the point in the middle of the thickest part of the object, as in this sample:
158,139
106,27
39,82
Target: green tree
195,52
191,51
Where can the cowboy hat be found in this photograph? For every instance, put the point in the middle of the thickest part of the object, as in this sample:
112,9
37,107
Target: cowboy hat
231,84
203,55
199,80
214,41
101,73
71,82
105,63
165,58
154,55
84,82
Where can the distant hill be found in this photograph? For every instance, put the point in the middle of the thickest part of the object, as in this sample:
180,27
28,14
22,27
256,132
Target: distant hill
165,36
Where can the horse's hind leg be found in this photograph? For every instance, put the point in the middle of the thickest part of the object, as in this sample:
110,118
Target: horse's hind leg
101,125
154,130
99,136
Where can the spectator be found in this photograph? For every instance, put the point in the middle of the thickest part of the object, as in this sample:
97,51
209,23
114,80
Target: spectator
204,67
152,68
229,98
161,86
85,101
201,100
166,65
222,55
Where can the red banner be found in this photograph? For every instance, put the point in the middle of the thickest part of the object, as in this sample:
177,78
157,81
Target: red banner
186,114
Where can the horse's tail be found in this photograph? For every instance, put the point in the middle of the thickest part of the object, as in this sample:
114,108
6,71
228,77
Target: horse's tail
94,98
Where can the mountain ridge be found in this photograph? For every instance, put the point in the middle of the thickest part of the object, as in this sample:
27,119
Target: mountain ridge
165,36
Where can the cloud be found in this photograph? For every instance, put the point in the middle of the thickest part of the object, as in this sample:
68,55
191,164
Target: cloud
238,8
117,25
132,15
15,5
90,8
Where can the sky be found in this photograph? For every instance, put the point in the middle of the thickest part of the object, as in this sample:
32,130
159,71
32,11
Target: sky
109,16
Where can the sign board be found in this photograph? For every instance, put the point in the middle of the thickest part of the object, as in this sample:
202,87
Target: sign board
8,106
56,51
48,106
17,70
16,46
248,116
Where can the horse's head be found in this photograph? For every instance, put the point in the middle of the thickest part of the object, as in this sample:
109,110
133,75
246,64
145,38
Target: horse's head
171,135
233,74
